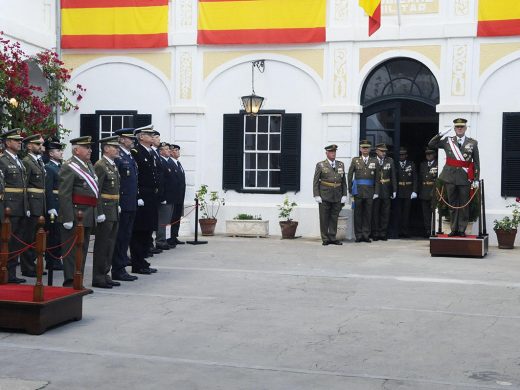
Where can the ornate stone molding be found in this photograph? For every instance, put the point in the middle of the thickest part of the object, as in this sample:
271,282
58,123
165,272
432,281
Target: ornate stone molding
461,7
186,76
340,10
458,75
340,73
186,8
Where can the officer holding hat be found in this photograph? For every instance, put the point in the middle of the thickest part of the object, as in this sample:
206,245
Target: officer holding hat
427,177
364,187
387,191
330,191
14,194
461,172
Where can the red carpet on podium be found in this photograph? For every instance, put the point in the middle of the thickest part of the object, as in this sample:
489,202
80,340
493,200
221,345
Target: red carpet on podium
24,293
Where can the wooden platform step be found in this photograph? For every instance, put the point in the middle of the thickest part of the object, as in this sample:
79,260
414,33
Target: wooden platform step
469,246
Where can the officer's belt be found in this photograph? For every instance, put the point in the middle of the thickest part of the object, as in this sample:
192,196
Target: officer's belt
57,192
362,182
330,184
14,190
110,196
383,181
84,200
36,190
405,183
428,183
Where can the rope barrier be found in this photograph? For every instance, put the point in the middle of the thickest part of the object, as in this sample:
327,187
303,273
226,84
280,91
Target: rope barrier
451,206
178,221
66,253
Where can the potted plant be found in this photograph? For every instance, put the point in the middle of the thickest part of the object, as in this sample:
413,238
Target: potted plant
209,206
506,228
247,225
288,226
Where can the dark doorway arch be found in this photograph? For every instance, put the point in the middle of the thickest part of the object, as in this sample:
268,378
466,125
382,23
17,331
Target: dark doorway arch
399,98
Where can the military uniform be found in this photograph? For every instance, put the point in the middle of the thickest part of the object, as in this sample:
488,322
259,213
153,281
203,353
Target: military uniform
146,216
15,198
165,211
329,183
128,202
427,177
106,230
78,192
35,173
387,190
179,192
362,186
458,175
406,191
52,182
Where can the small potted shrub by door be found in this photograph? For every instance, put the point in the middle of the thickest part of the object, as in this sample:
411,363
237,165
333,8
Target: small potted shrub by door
506,228
288,226
209,205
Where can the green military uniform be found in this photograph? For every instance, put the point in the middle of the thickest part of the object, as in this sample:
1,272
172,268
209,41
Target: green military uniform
329,184
14,198
35,173
78,192
427,177
108,205
457,179
363,185
406,191
387,190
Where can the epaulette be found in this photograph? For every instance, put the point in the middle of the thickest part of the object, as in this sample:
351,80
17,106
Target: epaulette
134,152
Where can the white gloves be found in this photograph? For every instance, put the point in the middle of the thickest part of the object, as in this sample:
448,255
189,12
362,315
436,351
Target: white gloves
344,199
318,199
140,202
101,218
475,184
375,196
119,209
394,194
413,196
163,202
68,225
443,133
28,213
52,212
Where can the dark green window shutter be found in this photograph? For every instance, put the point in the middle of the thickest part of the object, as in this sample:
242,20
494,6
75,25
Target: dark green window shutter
141,120
291,152
89,125
511,154
233,152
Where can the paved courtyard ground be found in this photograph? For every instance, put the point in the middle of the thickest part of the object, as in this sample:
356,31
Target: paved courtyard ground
243,313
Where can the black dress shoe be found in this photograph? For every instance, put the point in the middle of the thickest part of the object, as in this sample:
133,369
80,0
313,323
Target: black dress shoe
359,239
462,234
163,247
367,240
124,277
384,238
16,280
113,283
142,271
178,242
325,243
101,285
155,251
152,270
336,242
375,238
453,234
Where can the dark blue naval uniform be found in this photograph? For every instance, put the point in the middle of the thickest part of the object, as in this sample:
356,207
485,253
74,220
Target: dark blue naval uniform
128,202
179,192
52,183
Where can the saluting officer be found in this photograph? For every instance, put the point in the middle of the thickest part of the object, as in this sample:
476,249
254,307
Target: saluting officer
461,171
148,200
427,178
35,174
364,187
14,194
330,191
407,190
54,149
128,203
387,191
78,192
107,213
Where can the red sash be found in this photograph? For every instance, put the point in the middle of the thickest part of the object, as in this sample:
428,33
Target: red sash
84,200
462,164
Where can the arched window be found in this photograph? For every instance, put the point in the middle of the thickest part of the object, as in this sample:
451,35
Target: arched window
400,78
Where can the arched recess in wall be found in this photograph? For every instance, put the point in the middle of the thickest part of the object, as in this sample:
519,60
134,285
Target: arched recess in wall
494,68
37,78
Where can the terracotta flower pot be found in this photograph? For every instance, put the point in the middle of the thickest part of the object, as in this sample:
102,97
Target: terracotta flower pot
288,228
207,226
506,238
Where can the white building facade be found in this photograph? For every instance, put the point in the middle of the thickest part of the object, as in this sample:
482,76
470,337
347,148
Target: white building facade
421,70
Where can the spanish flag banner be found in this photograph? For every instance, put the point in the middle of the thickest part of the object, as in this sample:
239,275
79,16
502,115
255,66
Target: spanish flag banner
223,22
498,18
373,10
114,24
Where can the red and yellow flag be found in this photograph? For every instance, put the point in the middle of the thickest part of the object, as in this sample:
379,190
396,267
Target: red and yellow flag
114,24
224,22
498,18
373,10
